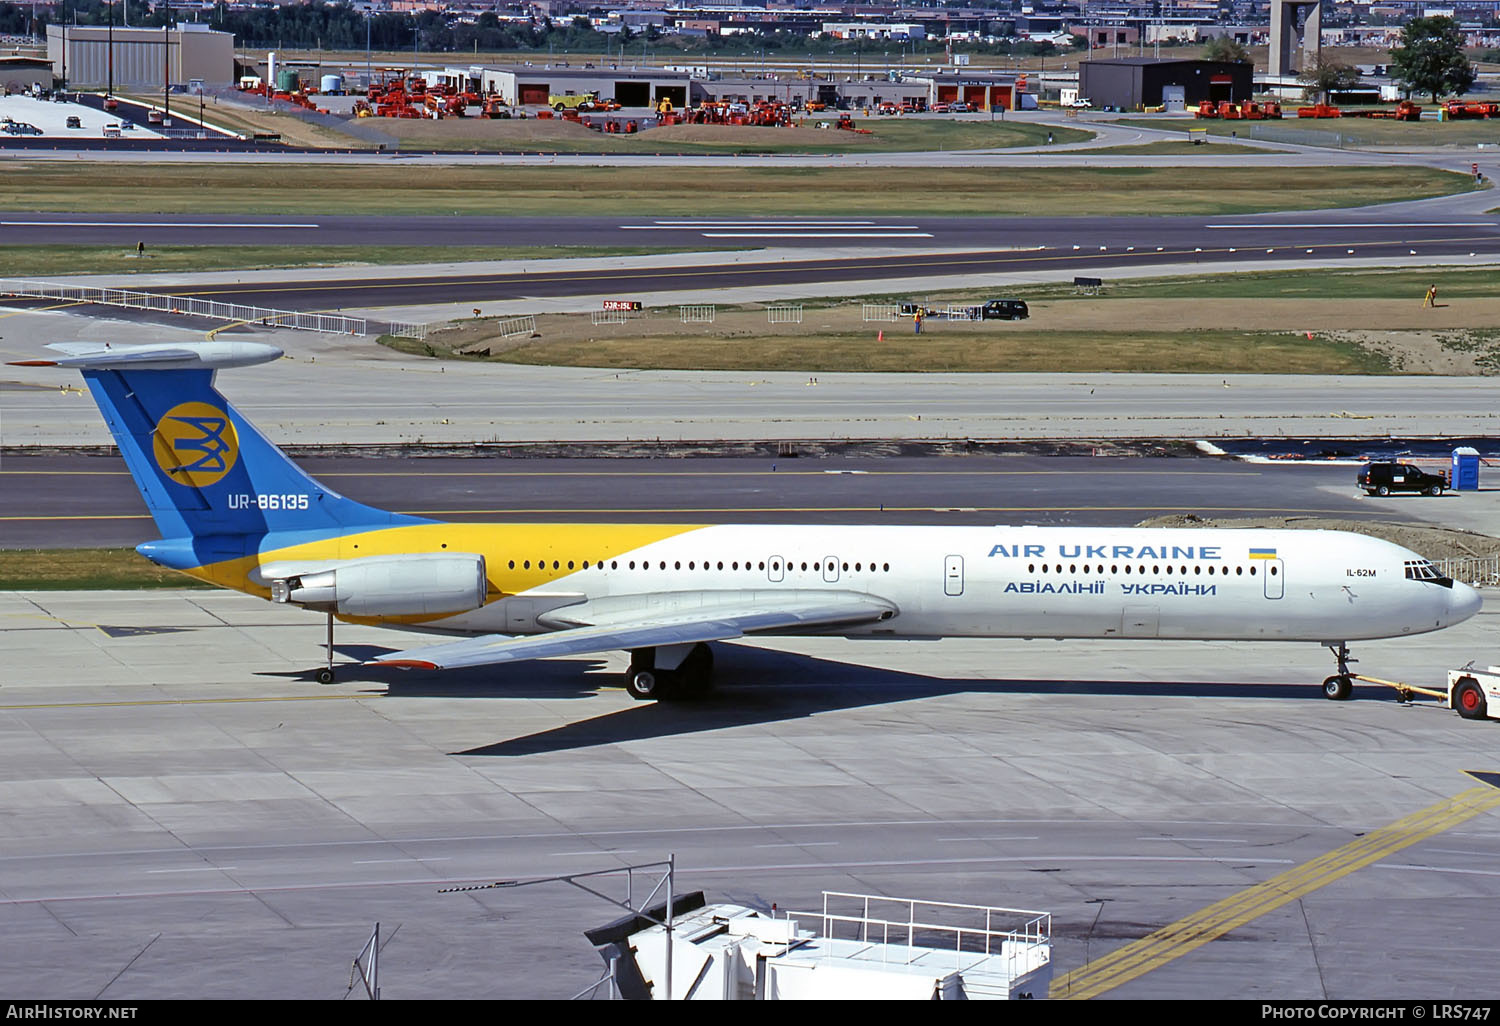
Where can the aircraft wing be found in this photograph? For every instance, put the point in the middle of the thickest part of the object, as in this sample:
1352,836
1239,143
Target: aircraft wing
721,622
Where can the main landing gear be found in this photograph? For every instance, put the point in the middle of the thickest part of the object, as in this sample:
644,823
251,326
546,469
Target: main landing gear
1340,687
325,675
670,672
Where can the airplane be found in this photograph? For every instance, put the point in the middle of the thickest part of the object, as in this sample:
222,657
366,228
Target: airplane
233,510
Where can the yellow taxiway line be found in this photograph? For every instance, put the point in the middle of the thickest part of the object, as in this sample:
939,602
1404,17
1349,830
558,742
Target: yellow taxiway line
1189,934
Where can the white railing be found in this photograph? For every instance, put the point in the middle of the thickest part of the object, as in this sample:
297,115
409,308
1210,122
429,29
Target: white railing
882,312
973,932
402,329
514,327
611,317
696,314
1480,571
186,306
784,314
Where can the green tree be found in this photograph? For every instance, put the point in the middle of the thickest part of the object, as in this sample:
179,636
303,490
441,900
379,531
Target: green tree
1327,74
1226,48
1431,58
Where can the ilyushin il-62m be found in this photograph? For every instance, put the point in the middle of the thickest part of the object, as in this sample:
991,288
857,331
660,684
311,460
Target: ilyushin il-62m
233,510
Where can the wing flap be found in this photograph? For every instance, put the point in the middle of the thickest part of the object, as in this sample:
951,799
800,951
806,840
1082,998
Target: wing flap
722,623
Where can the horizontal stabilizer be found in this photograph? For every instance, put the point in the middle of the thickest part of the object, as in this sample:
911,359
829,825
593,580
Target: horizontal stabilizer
156,356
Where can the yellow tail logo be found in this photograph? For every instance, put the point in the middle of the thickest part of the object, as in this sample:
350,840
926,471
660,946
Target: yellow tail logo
195,444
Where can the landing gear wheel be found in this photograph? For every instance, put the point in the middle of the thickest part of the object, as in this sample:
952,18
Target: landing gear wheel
325,676
1338,688
644,683
1468,700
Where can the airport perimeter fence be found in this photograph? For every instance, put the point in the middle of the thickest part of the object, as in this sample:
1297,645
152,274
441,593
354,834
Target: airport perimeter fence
405,329
186,306
1479,571
884,312
784,314
515,327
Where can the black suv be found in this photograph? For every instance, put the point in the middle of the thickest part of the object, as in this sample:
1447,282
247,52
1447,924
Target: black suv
1005,310
1385,478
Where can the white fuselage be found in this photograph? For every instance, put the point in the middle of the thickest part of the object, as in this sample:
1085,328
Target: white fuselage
1013,582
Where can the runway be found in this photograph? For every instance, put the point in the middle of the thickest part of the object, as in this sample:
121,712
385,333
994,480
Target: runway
1361,227
948,250
51,501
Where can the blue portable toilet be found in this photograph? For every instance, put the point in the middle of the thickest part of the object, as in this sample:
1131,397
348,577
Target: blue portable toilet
1465,474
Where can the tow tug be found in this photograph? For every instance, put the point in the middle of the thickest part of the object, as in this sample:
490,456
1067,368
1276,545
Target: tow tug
1472,693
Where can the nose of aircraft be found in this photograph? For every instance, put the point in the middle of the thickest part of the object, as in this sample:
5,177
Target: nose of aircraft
1463,603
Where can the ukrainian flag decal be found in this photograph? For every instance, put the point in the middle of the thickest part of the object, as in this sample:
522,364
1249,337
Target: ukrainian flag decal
1262,553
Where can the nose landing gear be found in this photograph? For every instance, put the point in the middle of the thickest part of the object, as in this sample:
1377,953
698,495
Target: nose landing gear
1340,687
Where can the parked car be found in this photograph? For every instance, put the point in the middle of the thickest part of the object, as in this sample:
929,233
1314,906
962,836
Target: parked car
958,108
1384,478
74,121
1004,310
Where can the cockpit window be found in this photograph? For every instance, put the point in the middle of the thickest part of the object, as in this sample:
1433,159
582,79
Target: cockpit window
1423,570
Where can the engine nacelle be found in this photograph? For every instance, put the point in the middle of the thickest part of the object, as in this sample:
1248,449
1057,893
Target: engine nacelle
414,585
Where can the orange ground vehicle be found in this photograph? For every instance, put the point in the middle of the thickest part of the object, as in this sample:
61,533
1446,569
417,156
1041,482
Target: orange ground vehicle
1403,111
1319,110
1459,109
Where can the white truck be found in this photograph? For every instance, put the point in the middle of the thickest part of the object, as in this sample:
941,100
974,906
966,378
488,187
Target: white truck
1475,694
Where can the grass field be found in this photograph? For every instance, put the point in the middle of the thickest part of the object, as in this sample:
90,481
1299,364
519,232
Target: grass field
64,569
1332,285
888,134
1014,351
1314,322
1350,132
640,191
1089,336
40,261
1175,146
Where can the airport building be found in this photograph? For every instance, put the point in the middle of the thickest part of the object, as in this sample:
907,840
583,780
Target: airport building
19,72
98,57
528,85
1131,83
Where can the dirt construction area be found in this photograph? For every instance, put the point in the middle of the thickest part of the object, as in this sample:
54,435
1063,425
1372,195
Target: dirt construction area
1369,336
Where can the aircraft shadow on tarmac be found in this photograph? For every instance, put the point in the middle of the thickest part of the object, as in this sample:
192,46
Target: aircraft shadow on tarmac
753,686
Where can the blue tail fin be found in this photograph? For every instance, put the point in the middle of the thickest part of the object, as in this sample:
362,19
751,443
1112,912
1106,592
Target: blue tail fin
203,469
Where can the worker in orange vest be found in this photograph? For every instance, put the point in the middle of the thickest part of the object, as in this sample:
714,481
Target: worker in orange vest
917,320
1431,299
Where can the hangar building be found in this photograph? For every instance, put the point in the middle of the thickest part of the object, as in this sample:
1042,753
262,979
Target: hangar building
1130,83
93,56
526,85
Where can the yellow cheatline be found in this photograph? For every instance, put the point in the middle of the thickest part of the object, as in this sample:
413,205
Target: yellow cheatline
1189,934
